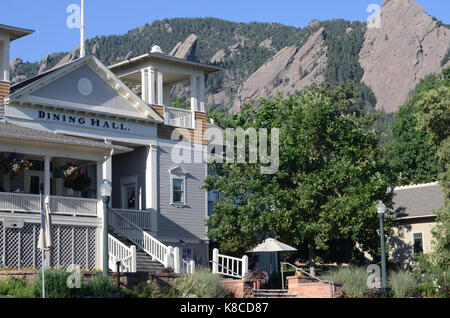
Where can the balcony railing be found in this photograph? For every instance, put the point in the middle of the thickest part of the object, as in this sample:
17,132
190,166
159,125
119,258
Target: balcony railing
142,219
30,203
178,117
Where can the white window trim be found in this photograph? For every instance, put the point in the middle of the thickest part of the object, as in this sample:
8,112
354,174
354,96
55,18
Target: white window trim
178,173
423,241
123,182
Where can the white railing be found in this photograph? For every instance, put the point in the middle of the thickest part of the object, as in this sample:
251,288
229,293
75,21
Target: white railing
73,206
187,267
178,117
141,218
30,203
138,236
19,202
119,252
229,265
166,255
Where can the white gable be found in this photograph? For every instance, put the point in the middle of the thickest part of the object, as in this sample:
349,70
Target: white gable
86,85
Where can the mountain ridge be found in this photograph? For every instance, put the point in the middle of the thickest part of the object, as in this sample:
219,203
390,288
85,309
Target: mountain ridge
249,53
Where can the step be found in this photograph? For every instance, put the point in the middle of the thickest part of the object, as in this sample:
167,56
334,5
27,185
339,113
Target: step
274,293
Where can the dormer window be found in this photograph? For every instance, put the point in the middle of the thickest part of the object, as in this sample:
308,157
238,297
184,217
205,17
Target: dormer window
178,186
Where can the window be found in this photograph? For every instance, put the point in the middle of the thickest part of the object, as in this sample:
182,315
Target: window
417,243
177,186
187,254
177,191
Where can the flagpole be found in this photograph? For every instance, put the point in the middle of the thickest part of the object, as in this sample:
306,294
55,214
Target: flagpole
42,247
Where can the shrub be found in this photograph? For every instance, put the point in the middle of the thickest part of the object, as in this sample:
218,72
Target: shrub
353,279
403,284
19,288
202,284
147,289
55,284
100,286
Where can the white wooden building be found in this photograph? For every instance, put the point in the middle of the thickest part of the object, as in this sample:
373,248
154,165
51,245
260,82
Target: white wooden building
85,114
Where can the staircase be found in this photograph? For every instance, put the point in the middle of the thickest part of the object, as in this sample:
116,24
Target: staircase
274,293
144,262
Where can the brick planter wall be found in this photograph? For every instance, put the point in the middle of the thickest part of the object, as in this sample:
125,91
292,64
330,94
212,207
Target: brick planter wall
238,288
309,288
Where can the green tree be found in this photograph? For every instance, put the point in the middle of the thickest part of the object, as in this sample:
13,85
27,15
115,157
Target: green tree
434,119
413,153
331,173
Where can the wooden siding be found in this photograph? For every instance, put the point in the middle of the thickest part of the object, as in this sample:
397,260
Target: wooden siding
196,135
186,222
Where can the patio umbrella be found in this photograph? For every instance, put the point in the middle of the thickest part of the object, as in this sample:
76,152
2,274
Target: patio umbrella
271,245
45,237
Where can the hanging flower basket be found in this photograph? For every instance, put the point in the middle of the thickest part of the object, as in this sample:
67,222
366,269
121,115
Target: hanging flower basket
74,177
14,165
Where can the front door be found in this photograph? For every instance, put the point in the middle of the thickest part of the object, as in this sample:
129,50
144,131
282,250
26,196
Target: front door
129,193
33,180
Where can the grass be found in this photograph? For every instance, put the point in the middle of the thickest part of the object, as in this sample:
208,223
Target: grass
353,279
403,284
201,284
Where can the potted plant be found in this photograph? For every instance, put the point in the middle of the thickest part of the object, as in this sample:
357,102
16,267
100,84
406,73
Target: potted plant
258,276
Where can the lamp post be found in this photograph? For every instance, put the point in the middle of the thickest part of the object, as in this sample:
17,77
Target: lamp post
105,191
381,209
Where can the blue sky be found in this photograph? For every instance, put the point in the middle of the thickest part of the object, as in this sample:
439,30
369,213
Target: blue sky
104,17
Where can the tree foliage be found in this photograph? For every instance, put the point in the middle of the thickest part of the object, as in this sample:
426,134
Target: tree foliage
330,176
413,155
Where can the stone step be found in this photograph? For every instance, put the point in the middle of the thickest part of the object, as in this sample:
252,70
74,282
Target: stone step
274,293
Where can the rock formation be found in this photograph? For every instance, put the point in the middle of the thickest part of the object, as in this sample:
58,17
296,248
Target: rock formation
289,71
408,46
187,49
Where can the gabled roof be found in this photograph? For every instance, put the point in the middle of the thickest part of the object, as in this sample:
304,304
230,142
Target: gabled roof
14,32
13,131
164,57
417,200
23,88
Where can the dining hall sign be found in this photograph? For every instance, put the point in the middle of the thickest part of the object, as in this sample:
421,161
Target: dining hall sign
82,121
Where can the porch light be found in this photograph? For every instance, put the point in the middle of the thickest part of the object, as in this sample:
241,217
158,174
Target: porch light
105,188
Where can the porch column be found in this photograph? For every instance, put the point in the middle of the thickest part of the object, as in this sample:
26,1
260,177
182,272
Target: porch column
151,185
160,88
151,85
47,178
107,171
194,99
202,93
47,198
144,85
4,60
166,95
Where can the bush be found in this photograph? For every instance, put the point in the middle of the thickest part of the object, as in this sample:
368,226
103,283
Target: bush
100,286
147,289
55,284
353,279
19,288
201,284
403,284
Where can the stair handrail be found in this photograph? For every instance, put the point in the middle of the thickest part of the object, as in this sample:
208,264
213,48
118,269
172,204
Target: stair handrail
149,244
145,241
304,272
120,252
